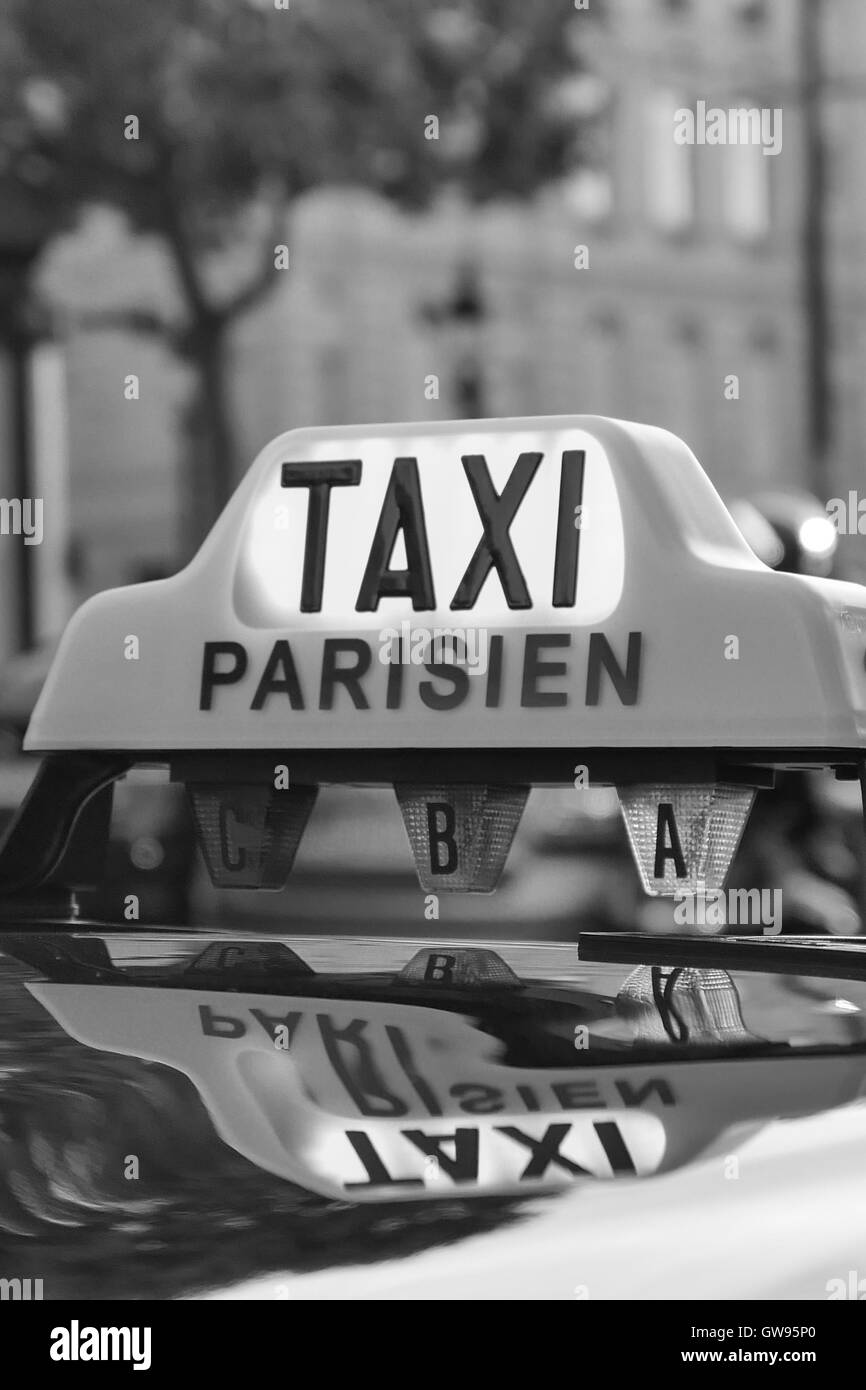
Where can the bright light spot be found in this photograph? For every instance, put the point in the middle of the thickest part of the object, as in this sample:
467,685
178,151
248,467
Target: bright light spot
846,1006
817,535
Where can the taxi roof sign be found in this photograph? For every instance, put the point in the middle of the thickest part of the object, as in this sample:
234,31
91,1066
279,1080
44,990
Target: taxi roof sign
585,572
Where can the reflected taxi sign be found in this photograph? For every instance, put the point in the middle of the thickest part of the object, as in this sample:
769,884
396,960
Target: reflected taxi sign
365,1100
550,582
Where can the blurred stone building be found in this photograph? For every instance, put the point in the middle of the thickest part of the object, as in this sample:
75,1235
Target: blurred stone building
696,273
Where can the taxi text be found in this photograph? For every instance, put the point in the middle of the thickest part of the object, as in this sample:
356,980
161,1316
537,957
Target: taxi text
538,671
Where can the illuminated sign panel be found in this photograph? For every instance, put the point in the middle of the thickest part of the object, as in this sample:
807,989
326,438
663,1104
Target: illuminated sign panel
558,582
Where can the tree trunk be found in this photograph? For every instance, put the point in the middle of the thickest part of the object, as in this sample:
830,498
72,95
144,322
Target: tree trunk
212,469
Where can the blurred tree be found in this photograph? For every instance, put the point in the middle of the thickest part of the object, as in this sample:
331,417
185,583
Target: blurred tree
242,105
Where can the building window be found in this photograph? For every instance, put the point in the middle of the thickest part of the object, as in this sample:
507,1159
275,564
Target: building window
749,11
687,333
669,168
685,407
760,396
764,338
588,184
746,191
606,369
334,385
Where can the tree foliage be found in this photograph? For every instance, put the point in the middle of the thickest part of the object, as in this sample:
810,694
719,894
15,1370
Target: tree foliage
242,106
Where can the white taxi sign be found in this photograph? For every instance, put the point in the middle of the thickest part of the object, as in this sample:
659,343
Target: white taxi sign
526,583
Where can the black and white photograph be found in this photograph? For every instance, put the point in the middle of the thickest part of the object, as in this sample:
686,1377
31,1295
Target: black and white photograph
432,671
